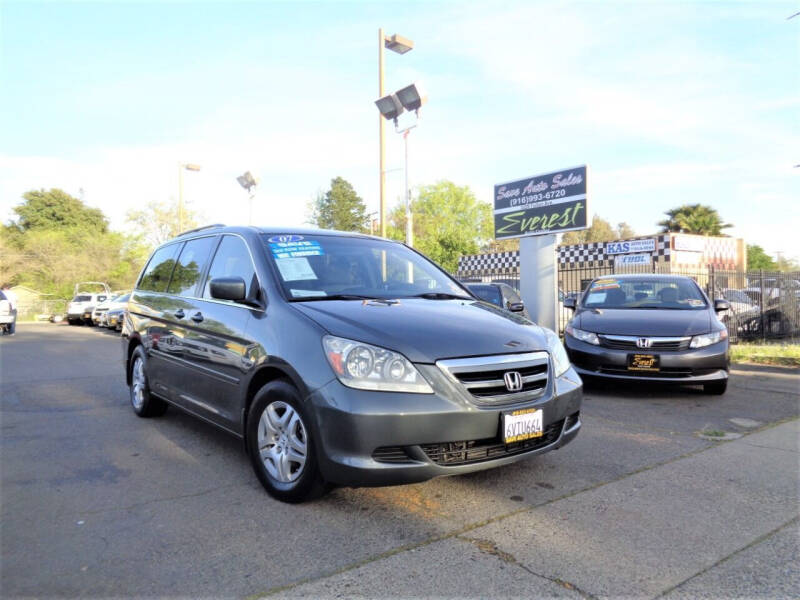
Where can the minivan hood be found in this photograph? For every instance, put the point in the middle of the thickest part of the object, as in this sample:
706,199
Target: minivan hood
649,322
425,331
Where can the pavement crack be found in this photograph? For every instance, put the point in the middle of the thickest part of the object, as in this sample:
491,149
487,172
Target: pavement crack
724,559
497,518
156,500
489,547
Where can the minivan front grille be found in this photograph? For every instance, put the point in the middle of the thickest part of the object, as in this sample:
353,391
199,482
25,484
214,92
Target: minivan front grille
467,452
484,377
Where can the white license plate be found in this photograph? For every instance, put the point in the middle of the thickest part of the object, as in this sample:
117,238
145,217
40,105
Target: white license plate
522,425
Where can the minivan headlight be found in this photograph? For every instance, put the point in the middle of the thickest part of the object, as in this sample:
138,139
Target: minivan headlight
701,341
584,336
367,367
557,352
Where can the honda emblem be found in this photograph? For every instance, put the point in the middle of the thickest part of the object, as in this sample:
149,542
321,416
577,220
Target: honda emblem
513,381
644,342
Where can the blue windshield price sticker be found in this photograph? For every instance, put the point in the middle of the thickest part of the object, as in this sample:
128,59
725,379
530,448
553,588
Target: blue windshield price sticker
295,249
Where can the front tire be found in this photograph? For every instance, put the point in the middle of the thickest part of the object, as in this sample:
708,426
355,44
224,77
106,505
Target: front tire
143,403
281,446
716,388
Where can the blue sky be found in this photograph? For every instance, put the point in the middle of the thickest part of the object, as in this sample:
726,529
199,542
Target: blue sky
668,103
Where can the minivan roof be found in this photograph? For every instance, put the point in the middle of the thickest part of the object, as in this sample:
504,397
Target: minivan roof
276,231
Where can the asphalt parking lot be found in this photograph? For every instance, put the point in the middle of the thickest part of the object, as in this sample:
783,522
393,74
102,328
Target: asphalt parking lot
97,502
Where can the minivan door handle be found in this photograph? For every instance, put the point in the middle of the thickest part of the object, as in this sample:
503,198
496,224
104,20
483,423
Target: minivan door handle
197,317
179,314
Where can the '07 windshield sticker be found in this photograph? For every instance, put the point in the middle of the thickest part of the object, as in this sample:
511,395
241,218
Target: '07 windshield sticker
295,249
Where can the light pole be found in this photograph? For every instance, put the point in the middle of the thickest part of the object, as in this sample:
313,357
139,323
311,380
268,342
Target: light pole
400,45
181,167
411,97
248,182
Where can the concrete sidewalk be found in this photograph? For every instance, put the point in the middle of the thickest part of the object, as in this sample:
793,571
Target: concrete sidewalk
721,522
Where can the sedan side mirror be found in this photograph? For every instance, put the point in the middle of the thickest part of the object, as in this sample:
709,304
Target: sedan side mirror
228,288
516,307
721,305
569,303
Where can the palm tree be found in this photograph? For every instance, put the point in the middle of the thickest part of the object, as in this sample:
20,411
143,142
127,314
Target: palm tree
693,218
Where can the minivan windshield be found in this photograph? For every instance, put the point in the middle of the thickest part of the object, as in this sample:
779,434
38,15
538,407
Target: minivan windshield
644,293
320,267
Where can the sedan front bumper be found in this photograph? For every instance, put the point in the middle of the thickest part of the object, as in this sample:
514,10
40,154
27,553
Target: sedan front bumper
386,438
693,366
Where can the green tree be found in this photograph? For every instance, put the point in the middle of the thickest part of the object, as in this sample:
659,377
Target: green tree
625,231
340,208
57,242
758,259
600,231
55,209
448,222
785,264
699,219
158,221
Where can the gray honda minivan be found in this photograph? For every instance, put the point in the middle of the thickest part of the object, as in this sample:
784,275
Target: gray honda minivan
341,359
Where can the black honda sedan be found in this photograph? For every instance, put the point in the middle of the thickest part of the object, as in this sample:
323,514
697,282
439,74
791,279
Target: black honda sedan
654,327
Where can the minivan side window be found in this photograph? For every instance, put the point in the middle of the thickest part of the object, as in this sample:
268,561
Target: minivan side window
190,266
158,271
231,260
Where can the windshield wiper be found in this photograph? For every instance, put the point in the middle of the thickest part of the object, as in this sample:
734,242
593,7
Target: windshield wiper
441,296
337,297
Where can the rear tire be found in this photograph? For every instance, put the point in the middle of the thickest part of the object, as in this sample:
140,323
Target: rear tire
716,388
143,403
281,446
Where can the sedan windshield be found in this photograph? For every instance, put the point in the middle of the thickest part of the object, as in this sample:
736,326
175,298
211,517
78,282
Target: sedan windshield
645,293
322,267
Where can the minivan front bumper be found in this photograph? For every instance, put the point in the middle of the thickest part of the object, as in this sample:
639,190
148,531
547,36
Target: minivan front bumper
384,438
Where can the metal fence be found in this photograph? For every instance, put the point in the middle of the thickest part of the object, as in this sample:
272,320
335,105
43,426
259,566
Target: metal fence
765,305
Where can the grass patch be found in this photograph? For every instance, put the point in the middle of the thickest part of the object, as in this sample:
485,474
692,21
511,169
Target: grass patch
713,433
767,354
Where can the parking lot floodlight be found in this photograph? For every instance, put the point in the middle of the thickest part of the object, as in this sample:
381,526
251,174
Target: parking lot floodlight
412,97
390,106
247,181
397,43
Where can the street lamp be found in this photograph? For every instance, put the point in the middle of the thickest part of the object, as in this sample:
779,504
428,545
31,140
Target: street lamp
400,45
248,182
411,97
181,167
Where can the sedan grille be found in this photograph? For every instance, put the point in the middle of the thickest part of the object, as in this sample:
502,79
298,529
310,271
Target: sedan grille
468,452
631,342
485,377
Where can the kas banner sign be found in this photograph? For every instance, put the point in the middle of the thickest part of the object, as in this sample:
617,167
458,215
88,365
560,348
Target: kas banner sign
647,245
549,203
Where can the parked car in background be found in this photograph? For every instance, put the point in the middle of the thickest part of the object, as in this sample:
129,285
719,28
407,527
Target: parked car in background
100,314
6,314
499,294
341,358
114,317
82,305
649,327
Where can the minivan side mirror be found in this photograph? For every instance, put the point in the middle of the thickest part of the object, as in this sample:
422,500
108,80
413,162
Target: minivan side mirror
720,305
516,307
569,303
228,288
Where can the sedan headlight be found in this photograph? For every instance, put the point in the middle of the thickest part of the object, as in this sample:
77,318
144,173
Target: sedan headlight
584,336
366,367
701,341
557,352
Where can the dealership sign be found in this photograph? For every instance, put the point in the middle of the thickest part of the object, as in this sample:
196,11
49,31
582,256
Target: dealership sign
542,204
648,245
627,260
689,243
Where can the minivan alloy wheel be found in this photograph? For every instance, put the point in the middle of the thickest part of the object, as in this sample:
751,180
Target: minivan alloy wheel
282,441
138,383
